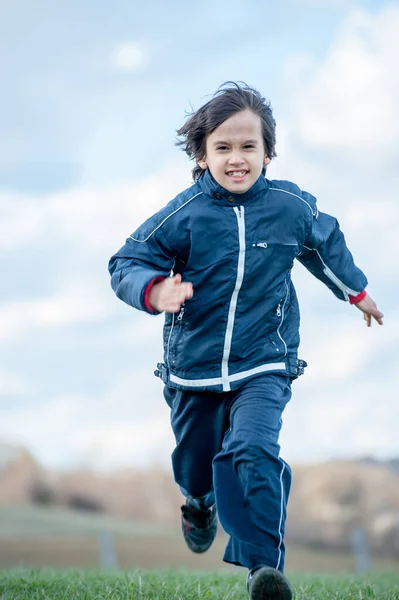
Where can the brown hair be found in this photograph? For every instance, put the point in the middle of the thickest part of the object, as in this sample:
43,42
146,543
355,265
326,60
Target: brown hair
230,98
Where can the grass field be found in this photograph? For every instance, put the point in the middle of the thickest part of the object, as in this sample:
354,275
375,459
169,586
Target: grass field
54,555
181,585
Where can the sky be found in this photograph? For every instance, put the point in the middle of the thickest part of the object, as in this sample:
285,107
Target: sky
92,95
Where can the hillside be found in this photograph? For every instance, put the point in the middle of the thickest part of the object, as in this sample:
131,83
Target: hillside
327,501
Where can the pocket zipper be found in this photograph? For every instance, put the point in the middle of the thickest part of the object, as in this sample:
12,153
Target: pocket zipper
265,244
180,315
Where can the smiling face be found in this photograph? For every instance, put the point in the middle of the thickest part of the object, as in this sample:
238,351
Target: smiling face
235,152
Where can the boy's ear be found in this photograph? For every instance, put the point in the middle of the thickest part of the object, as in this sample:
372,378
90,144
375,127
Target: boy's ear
267,160
203,164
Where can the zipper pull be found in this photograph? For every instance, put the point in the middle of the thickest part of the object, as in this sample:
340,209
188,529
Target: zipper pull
261,245
181,313
278,311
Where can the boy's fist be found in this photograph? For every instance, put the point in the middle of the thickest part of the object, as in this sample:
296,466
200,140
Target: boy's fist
168,295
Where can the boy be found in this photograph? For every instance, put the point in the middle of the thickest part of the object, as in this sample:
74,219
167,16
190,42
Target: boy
217,260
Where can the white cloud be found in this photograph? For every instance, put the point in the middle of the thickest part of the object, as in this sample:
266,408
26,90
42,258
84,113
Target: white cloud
80,229
130,56
11,384
326,3
349,346
119,427
21,220
353,417
75,302
127,443
340,136
92,218
349,102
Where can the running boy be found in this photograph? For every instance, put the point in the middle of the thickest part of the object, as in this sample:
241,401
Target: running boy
217,261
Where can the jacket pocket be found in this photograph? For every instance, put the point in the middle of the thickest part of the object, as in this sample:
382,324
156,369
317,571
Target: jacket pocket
265,244
280,254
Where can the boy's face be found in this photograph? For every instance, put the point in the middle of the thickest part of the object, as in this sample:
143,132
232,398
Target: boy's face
235,153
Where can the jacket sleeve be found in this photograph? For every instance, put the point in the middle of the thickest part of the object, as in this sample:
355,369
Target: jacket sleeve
326,255
146,255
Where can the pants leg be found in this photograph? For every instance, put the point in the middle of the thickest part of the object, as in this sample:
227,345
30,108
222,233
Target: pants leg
252,482
199,421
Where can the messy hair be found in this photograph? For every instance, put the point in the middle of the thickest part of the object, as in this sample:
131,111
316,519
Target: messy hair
229,99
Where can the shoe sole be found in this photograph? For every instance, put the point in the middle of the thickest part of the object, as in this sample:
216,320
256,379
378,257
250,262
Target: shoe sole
195,547
270,584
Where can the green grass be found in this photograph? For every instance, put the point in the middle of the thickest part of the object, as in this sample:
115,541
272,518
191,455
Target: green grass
23,584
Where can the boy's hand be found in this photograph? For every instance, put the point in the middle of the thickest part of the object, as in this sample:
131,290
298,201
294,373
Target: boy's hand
369,308
168,295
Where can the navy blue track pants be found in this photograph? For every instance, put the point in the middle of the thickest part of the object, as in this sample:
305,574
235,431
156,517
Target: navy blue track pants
227,451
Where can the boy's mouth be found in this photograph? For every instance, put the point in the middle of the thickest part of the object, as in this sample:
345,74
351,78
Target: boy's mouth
237,175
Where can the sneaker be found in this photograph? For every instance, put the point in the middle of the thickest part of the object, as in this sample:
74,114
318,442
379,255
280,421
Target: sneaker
198,526
268,584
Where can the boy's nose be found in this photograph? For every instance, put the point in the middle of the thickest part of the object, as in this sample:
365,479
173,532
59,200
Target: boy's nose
236,158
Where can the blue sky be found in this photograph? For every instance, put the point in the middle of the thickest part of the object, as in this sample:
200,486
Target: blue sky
91,98
69,118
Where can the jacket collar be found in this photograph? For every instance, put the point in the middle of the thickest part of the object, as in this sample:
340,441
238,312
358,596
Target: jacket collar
209,186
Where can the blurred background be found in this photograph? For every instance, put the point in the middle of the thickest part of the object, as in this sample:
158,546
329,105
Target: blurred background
91,96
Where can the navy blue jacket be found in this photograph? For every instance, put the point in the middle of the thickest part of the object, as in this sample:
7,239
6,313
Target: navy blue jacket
238,252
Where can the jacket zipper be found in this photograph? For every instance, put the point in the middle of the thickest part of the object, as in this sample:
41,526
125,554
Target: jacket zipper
239,211
174,321
280,314
169,339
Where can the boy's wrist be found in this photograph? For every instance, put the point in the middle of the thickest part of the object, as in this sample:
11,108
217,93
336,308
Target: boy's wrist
358,298
148,296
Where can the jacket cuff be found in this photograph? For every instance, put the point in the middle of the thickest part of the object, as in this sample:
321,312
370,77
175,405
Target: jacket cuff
147,304
358,298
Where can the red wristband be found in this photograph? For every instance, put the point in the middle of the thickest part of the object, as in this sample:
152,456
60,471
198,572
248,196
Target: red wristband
147,294
358,298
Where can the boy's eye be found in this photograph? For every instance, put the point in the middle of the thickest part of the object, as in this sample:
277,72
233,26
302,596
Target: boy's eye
221,148
249,146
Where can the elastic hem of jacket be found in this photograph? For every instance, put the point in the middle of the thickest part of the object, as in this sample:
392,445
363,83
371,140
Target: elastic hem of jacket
147,304
358,298
292,369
